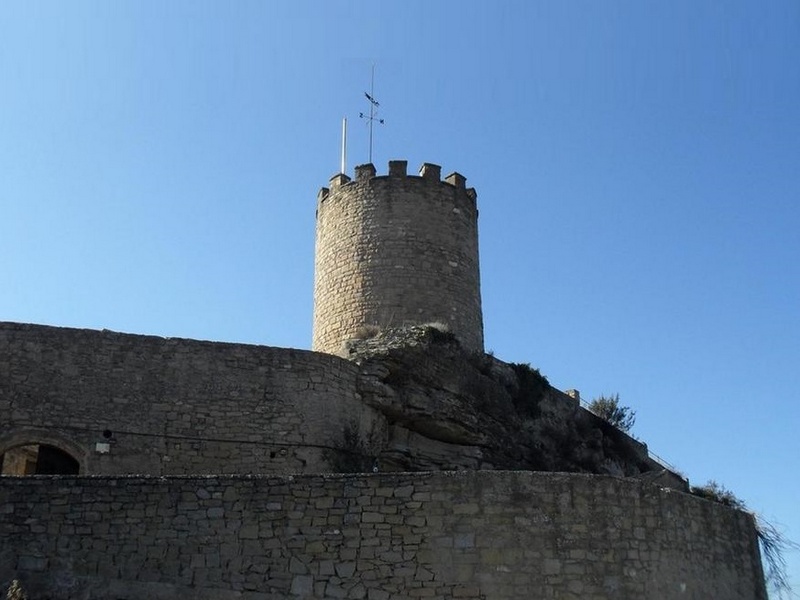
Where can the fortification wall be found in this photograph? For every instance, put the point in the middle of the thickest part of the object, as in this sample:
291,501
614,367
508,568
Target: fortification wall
396,250
485,534
176,406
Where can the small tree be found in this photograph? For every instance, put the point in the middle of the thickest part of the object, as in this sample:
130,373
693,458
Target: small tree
608,408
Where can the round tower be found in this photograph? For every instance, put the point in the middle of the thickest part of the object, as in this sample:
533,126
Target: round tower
393,251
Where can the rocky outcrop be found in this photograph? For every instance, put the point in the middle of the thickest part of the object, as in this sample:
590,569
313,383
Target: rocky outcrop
450,409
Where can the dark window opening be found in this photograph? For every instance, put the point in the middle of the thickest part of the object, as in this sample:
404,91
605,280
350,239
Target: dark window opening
38,459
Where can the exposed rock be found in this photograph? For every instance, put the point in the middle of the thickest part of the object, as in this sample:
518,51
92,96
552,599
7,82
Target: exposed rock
449,409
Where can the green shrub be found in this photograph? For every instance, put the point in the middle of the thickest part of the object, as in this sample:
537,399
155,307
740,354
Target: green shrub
351,454
533,386
774,546
608,408
718,493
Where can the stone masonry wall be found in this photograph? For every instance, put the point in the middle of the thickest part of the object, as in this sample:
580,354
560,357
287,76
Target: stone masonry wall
176,406
486,534
396,250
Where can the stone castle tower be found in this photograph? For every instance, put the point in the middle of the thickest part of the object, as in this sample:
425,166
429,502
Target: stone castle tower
396,250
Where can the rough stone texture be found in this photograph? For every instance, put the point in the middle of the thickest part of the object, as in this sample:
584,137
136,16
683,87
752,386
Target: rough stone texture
392,252
481,534
396,250
408,399
451,409
178,406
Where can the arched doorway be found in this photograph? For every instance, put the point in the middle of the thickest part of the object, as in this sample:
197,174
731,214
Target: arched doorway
38,459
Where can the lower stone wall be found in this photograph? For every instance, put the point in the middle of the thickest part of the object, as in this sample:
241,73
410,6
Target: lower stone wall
484,534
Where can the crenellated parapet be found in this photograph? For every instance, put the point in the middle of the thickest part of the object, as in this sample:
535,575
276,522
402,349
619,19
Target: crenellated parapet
395,250
428,173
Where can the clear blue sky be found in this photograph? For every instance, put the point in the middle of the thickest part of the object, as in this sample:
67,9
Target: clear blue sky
637,166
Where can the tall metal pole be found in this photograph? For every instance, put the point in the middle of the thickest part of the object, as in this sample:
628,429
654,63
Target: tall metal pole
372,104
344,145
373,110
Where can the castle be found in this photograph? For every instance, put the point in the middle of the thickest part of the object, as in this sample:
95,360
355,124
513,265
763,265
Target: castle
395,460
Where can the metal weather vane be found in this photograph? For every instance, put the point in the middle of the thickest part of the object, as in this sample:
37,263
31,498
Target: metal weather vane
372,117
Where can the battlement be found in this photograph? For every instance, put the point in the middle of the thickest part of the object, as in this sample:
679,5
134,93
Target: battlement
428,172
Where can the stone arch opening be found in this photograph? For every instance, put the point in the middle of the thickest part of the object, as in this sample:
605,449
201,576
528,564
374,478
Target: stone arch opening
40,452
38,459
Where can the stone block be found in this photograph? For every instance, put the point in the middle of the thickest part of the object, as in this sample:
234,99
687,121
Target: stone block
297,566
302,585
345,570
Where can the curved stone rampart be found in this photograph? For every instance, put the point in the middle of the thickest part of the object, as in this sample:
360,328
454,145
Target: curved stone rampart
175,406
483,534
